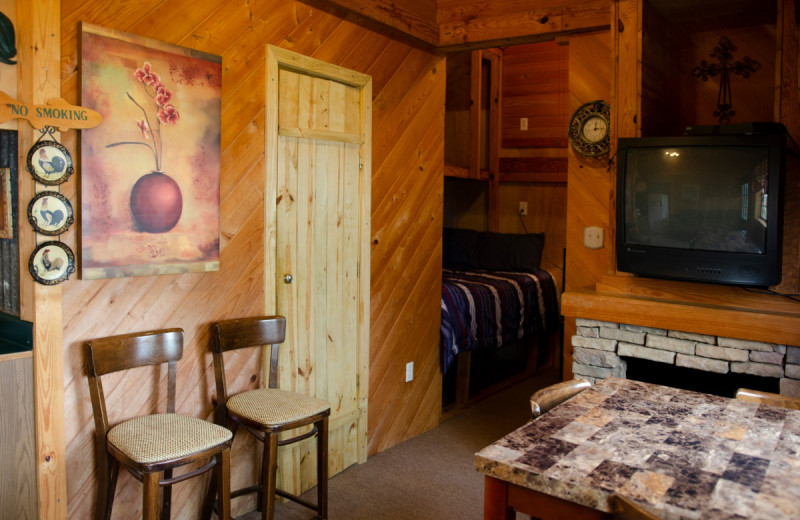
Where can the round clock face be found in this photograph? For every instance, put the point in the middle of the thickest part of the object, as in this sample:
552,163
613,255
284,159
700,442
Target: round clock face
589,129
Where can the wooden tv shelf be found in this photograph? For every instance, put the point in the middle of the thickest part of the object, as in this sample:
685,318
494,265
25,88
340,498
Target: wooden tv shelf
717,310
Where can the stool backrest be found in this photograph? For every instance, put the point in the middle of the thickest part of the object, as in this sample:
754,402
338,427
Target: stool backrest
239,333
116,353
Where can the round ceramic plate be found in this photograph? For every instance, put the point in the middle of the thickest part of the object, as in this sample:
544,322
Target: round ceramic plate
51,263
49,162
50,213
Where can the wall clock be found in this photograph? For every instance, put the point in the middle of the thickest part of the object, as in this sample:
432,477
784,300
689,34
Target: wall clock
589,129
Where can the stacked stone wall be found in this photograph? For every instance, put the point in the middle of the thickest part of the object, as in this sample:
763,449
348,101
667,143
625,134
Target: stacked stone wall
600,348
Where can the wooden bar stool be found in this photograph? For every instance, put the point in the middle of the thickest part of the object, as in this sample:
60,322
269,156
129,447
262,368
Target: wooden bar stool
768,398
266,412
151,446
553,395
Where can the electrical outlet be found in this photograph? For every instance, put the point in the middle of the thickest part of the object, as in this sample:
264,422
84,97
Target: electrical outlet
409,371
523,208
593,237
523,123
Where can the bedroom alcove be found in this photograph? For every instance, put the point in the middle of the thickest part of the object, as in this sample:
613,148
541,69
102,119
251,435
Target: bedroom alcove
492,167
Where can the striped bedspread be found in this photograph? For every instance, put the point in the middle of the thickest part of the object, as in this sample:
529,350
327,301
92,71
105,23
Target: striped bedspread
488,309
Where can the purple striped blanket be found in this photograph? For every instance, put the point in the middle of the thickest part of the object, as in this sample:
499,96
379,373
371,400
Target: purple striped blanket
488,309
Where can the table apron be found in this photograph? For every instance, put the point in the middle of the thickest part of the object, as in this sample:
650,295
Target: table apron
502,498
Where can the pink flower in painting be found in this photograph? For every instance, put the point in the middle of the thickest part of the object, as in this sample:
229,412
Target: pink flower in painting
165,112
168,115
145,75
163,94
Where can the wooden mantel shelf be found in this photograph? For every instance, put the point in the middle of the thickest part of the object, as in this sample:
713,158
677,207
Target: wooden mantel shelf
732,312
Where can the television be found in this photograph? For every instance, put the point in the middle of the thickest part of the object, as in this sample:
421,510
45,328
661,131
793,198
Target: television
703,208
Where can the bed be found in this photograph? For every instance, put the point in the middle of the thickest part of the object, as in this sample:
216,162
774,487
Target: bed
493,292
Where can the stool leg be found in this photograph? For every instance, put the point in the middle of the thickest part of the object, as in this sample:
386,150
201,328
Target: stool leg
166,498
107,473
211,496
222,472
269,470
322,468
150,509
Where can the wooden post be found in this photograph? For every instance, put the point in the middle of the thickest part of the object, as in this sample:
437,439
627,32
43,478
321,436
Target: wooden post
786,103
626,93
39,79
495,58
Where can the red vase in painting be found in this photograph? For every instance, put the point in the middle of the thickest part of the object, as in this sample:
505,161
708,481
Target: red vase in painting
156,203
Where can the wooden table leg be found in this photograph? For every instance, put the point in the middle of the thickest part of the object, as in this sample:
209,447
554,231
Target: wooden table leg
495,504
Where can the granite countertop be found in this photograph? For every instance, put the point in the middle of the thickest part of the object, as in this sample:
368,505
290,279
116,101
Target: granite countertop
681,454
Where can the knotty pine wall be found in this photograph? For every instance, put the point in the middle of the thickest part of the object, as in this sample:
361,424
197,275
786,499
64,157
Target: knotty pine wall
408,115
590,185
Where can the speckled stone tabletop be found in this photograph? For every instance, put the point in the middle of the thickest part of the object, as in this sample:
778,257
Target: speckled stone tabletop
681,454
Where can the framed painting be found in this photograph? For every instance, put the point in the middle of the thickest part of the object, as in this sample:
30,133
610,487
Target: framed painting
150,171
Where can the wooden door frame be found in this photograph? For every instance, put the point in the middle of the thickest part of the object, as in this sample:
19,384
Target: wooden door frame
278,58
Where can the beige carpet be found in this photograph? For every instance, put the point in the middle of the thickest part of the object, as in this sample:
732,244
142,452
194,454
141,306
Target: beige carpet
431,476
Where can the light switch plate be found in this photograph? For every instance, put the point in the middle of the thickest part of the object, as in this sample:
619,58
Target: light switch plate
593,237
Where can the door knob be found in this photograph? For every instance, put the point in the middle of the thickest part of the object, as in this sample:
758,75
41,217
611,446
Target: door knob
288,278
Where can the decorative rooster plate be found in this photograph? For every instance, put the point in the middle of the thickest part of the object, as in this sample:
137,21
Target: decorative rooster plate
51,263
49,162
50,213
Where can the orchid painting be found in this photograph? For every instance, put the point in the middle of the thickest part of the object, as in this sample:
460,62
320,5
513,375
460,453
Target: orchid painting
163,111
150,171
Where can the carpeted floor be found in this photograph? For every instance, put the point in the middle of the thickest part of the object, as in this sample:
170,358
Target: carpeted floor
431,476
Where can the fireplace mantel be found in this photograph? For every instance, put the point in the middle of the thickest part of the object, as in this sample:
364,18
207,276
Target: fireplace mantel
699,308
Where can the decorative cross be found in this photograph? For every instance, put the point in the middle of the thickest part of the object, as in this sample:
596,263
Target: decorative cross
724,54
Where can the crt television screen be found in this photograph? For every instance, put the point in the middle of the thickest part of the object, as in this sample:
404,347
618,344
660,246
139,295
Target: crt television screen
703,198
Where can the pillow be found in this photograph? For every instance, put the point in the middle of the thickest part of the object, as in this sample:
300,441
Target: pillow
506,251
456,244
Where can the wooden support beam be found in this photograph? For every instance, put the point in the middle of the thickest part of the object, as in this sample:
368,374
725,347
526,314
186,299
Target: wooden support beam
39,79
518,23
416,18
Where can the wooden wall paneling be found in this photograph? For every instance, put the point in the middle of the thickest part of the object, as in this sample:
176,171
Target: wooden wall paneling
18,493
466,204
535,87
786,65
626,94
407,259
404,78
39,34
659,84
589,184
457,110
547,213
752,97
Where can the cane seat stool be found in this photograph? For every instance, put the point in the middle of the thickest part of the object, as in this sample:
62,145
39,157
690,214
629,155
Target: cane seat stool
267,412
151,446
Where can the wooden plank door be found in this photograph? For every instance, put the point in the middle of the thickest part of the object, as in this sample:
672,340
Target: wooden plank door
318,175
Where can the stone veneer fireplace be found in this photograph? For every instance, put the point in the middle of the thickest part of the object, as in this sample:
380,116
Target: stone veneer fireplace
600,349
